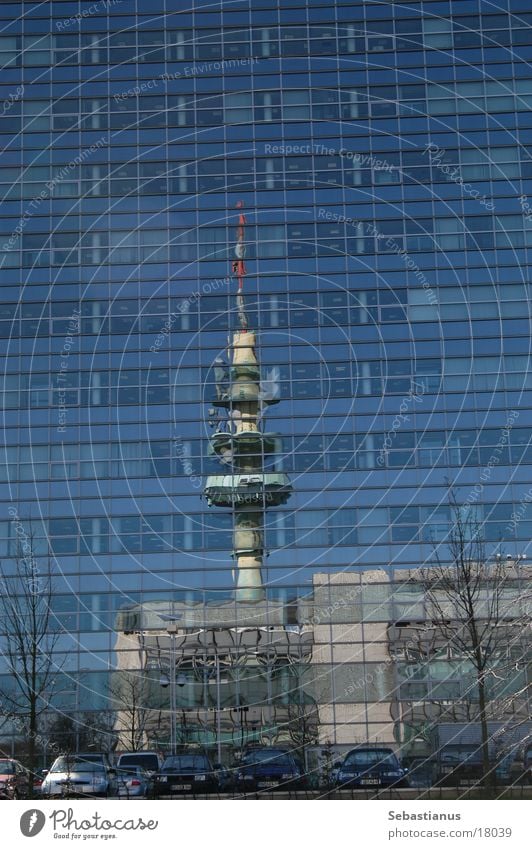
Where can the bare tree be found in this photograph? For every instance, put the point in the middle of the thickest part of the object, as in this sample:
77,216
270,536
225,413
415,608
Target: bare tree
302,724
297,717
472,604
98,730
301,710
63,731
129,694
28,640
89,730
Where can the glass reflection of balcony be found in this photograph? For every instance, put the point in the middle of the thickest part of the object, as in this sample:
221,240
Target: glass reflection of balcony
271,489
248,446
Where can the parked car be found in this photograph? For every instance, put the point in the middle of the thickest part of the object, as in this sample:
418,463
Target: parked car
226,777
97,758
150,761
185,773
422,770
333,775
75,775
14,779
460,764
268,768
133,782
373,767
514,767
38,778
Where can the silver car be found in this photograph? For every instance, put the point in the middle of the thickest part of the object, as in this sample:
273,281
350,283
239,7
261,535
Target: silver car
73,776
133,782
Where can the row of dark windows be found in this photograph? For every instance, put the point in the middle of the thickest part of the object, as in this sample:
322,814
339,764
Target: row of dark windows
296,177
344,291
141,536
219,237
299,109
354,132
272,240
206,376
298,316
268,250
216,521
277,159
329,387
137,101
152,13
208,236
328,225
334,304
465,441
159,46
193,383
511,334
298,155
431,456
149,32
343,452
122,187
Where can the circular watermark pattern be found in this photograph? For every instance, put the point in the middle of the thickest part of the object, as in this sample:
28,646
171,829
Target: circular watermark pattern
386,290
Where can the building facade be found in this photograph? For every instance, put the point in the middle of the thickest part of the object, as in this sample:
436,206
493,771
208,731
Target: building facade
381,152
364,659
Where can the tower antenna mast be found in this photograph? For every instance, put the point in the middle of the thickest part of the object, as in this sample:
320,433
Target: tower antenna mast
239,267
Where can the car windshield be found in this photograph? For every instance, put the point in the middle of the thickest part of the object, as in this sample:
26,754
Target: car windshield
146,761
74,765
7,768
370,757
267,756
186,762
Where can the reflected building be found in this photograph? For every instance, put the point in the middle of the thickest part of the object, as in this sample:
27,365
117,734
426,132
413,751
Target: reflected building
357,660
243,674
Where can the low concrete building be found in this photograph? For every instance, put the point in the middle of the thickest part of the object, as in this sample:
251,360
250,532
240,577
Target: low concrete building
361,658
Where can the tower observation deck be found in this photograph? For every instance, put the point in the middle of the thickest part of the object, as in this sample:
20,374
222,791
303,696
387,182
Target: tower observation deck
240,445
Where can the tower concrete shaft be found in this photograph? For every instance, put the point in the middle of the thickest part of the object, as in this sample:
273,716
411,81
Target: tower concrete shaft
239,443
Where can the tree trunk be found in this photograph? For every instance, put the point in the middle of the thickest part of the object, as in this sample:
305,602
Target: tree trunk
31,745
488,775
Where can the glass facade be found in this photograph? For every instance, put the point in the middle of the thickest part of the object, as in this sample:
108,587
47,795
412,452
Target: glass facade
382,152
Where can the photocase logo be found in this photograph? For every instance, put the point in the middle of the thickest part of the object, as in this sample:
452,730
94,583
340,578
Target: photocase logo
32,822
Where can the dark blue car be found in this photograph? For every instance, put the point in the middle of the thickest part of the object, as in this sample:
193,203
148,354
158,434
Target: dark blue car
265,769
371,767
185,773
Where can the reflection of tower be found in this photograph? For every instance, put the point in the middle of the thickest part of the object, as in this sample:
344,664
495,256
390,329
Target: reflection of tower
248,490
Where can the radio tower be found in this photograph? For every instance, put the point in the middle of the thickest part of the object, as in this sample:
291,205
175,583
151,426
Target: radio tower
240,445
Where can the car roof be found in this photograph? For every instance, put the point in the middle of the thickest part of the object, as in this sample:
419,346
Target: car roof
267,749
187,755
371,749
139,752
90,755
